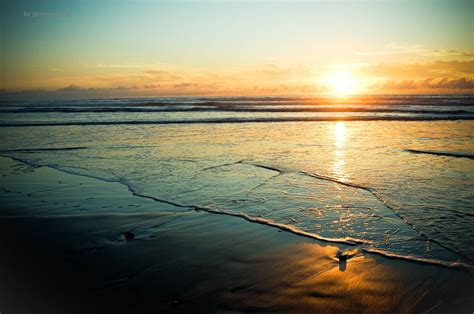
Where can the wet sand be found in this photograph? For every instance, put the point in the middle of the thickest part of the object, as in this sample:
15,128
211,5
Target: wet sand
80,245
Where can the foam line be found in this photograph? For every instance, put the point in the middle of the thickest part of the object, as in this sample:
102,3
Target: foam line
419,259
441,153
268,168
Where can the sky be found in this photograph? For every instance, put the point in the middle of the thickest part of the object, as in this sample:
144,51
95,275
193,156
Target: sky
152,48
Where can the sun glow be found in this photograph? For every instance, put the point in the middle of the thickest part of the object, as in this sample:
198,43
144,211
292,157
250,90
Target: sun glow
342,83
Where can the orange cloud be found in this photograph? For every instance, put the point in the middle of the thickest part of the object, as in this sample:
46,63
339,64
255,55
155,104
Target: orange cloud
438,69
162,75
268,79
463,83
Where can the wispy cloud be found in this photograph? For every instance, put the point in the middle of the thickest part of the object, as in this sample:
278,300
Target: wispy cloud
56,69
120,65
162,75
419,70
396,49
429,83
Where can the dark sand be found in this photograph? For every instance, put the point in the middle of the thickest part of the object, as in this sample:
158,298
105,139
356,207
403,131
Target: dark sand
63,245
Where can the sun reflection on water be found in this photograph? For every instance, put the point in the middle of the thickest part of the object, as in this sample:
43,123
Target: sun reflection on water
339,133
339,141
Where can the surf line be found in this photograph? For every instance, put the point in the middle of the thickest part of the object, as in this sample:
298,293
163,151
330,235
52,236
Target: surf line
441,153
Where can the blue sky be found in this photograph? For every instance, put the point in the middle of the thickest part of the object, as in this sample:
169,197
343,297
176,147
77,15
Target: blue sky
87,39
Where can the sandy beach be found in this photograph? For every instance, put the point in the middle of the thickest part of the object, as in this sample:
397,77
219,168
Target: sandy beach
77,244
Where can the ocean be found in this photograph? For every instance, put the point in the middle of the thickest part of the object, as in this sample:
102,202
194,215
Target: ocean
391,175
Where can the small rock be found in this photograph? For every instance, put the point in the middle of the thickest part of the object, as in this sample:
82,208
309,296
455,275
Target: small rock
129,236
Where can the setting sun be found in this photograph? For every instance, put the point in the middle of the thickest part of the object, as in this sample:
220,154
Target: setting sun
342,83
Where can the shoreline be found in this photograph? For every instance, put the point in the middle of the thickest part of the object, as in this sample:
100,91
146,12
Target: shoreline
283,227
181,259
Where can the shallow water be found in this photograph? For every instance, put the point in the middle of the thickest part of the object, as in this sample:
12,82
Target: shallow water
402,187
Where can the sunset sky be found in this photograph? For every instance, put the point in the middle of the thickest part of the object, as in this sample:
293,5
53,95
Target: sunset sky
148,48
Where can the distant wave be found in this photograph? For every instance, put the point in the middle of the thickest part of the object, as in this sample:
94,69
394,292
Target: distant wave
244,120
222,102
27,150
232,108
442,153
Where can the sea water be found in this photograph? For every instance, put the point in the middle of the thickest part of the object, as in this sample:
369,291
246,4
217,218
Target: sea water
391,174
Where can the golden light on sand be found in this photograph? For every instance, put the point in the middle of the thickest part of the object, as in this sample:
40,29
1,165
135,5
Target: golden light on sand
342,83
